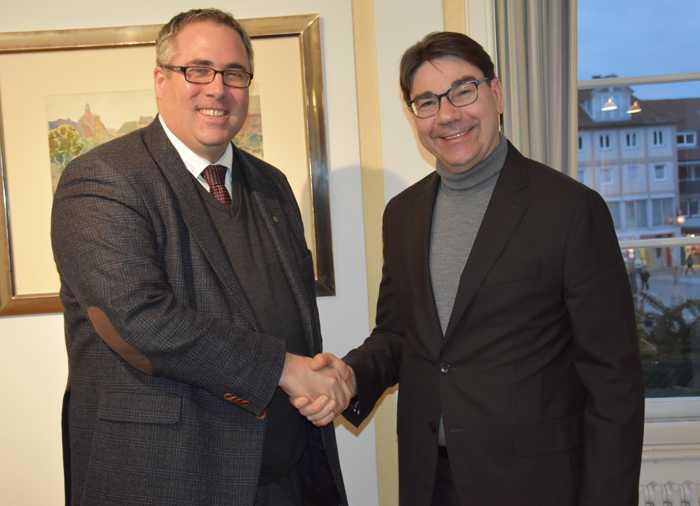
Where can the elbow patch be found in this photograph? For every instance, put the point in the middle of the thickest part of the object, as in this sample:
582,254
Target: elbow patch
104,328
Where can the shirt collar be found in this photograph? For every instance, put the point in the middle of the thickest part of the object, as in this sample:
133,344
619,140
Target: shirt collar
196,164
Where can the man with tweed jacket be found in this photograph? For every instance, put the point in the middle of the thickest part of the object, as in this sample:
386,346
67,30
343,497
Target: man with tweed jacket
189,302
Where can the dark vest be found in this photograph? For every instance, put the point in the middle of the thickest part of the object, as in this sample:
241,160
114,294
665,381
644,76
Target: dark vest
257,266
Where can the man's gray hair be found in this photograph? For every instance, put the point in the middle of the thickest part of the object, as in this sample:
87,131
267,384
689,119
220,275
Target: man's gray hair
164,42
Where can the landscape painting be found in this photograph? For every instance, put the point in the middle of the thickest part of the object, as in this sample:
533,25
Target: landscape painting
79,122
250,137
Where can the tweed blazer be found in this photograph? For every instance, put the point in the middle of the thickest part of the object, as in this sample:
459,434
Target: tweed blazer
538,375
169,376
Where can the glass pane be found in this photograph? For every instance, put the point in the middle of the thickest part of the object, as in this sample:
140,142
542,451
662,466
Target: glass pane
637,37
666,287
641,206
638,145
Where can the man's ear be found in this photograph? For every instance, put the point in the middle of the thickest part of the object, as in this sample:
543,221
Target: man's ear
497,90
159,79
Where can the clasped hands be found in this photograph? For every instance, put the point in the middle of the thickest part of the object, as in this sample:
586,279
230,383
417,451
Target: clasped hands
320,387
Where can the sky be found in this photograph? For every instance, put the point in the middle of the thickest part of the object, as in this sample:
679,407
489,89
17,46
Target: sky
640,37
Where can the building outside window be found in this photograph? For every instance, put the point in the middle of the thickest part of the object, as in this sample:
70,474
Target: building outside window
659,172
658,138
606,176
636,214
689,171
690,207
686,139
614,208
662,212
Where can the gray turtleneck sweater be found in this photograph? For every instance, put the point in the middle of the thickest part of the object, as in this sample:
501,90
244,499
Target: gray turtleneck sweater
459,209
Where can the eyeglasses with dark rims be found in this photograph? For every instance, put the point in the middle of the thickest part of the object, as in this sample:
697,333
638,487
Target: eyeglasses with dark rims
198,74
460,94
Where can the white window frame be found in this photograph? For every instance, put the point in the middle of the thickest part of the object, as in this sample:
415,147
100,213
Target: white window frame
604,146
687,134
672,425
652,200
655,166
631,134
692,165
606,181
646,214
657,138
686,207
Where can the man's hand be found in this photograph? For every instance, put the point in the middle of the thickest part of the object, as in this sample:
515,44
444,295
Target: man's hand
322,410
330,387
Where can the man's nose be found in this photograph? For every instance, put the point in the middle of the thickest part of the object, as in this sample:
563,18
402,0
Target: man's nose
447,112
217,86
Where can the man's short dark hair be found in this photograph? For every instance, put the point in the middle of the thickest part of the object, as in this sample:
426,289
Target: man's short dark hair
164,42
439,44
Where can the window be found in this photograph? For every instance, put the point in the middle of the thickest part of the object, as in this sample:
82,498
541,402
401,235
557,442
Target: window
636,214
659,172
606,176
686,139
688,171
690,207
662,212
580,143
633,173
631,139
665,322
604,142
658,138
615,213
615,55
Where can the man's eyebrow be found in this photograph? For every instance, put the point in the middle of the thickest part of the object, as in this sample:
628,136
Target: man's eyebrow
208,63
427,94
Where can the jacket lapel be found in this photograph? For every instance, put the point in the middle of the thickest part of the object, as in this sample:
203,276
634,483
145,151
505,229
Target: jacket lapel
266,196
508,204
194,213
421,224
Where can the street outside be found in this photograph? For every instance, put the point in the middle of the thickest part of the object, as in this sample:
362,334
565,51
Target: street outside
671,285
668,375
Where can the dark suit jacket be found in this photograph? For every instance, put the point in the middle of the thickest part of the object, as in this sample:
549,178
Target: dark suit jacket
538,376
169,376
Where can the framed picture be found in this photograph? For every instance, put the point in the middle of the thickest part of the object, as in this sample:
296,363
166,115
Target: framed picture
63,92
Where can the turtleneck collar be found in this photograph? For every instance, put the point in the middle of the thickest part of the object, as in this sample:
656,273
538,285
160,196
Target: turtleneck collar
482,171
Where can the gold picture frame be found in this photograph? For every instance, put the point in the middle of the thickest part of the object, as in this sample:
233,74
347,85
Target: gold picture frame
22,255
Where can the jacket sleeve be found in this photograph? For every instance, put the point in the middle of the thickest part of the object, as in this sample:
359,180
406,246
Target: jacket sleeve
377,361
110,262
598,298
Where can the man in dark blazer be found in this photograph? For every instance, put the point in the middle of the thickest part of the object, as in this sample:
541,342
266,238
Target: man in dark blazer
190,313
504,314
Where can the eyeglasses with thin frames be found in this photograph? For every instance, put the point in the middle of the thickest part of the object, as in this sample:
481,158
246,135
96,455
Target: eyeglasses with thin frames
198,74
460,94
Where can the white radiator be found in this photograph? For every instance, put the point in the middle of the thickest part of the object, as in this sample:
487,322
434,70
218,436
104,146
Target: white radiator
670,494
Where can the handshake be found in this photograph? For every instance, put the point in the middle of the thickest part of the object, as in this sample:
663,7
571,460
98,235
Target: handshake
320,387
